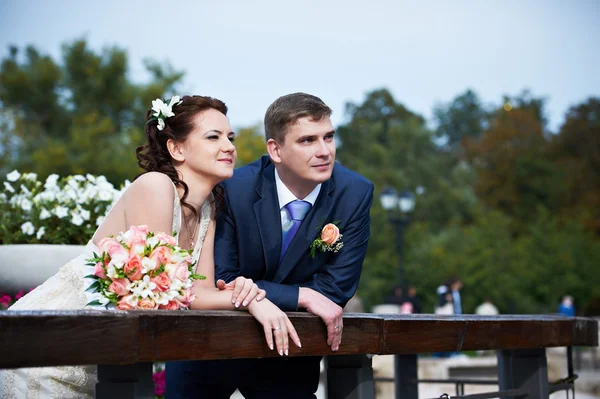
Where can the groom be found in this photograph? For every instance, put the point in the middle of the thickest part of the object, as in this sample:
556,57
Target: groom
275,208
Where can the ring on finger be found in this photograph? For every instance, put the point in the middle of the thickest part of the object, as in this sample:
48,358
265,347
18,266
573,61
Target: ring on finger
276,328
337,327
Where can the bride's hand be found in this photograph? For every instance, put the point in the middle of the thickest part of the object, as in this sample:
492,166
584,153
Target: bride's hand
274,322
244,291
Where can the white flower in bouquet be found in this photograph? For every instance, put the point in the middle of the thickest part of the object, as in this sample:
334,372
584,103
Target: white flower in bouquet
13,176
40,232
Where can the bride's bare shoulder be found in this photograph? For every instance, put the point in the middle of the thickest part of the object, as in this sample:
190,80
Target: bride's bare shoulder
152,185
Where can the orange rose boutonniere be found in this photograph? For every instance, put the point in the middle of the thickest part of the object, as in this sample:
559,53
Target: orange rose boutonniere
330,240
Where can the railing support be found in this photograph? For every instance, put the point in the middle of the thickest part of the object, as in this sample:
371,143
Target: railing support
406,378
350,377
130,381
524,369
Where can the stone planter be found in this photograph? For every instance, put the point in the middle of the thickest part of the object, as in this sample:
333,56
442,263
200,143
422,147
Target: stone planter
25,266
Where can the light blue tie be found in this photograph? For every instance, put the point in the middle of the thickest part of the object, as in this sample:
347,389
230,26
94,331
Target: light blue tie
296,210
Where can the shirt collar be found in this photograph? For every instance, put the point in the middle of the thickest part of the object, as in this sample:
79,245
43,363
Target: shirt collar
285,196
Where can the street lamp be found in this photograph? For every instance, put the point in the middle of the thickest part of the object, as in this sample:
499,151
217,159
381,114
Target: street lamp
399,208
393,202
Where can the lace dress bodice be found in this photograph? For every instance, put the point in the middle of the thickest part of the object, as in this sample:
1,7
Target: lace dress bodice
65,290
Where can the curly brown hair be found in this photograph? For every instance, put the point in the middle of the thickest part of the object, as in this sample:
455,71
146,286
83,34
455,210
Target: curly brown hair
155,157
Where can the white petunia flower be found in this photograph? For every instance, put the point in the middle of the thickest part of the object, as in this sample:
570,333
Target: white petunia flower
91,178
26,204
61,211
25,190
28,228
13,176
8,187
44,214
85,214
51,182
99,220
40,232
76,219
31,176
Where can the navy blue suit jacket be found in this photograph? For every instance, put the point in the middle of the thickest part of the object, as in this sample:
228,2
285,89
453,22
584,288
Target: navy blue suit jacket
248,235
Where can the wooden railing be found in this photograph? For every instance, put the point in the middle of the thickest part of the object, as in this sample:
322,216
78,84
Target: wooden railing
113,340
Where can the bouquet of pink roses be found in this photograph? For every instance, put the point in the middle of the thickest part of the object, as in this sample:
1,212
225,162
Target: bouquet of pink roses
139,269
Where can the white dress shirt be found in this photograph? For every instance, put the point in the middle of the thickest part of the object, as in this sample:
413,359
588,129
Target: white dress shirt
285,196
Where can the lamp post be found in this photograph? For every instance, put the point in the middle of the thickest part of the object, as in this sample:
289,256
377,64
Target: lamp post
399,208
393,202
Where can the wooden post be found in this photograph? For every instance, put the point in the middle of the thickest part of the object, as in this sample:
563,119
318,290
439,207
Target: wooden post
524,369
350,377
406,378
130,381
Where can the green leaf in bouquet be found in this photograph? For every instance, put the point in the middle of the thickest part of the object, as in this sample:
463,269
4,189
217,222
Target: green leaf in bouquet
94,287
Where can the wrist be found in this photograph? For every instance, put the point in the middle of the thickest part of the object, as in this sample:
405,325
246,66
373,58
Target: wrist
303,295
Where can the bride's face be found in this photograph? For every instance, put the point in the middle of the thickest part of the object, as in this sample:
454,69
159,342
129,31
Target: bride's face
209,149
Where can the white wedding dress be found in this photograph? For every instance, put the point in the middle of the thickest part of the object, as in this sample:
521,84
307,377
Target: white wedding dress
66,291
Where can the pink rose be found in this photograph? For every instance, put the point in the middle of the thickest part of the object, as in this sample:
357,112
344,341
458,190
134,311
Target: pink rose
166,238
172,305
182,272
99,271
330,234
119,286
185,300
124,304
139,231
133,268
117,252
137,245
147,304
162,255
106,242
162,281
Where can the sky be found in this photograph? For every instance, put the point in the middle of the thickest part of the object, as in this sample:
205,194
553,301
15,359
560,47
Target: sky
248,53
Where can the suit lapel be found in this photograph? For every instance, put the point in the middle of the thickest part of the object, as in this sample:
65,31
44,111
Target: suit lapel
309,229
268,218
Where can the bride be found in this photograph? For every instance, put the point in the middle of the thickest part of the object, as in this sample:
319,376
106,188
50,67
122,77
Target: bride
188,152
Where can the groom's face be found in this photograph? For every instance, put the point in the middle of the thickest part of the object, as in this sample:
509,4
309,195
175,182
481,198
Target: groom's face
308,151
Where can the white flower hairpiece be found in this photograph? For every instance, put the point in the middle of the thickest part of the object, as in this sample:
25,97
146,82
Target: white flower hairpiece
163,110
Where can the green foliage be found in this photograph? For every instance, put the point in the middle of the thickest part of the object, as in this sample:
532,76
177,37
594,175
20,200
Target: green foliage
77,115
492,211
250,145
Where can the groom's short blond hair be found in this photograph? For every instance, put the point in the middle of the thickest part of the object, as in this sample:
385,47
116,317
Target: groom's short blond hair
286,110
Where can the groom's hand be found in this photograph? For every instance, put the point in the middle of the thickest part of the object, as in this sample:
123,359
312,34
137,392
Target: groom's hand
318,304
244,291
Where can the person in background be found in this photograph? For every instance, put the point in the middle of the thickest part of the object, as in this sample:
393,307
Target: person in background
414,300
456,285
566,307
487,308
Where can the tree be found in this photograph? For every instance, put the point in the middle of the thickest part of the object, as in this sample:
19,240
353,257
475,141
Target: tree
78,115
576,150
464,117
514,172
250,145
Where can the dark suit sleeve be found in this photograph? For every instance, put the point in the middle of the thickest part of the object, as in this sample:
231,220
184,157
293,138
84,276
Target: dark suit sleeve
337,280
226,256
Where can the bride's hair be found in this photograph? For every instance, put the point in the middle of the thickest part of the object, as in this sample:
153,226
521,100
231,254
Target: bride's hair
155,157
